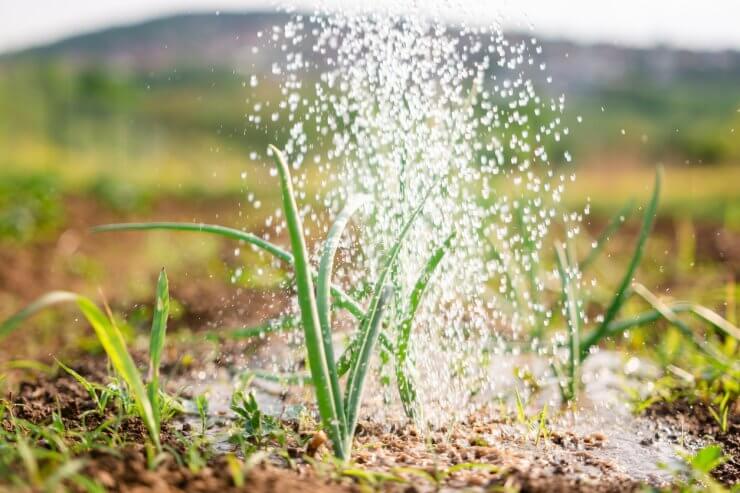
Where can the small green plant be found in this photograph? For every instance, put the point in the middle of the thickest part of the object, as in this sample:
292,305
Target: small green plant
44,458
256,425
147,399
236,470
535,425
722,411
201,405
156,344
695,476
375,480
437,477
101,395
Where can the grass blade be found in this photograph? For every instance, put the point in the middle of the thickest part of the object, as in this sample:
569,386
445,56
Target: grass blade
159,324
45,301
157,337
224,231
571,306
341,299
113,343
283,324
617,327
115,347
673,319
405,385
702,312
330,416
89,387
281,378
323,301
714,319
614,224
622,291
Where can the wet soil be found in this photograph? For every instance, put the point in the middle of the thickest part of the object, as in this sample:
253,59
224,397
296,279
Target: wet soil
695,419
563,462
129,473
127,469
487,452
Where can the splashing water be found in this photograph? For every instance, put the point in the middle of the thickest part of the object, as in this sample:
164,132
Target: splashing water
403,107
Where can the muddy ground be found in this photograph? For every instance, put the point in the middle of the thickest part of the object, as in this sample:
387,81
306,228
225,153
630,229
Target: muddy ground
505,459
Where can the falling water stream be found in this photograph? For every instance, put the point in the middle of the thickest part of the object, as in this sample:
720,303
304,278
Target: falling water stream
405,109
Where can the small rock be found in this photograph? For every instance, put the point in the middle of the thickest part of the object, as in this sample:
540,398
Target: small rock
319,438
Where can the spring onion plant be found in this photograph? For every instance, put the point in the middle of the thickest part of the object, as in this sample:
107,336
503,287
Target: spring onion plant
580,345
148,398
340,299
317,297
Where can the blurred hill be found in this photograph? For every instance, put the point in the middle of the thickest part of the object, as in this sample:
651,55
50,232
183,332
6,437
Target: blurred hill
194,39
226,38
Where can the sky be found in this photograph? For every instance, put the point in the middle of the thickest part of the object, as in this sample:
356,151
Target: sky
706,24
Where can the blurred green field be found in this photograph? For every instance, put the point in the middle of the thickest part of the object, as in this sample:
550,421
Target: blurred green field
129,135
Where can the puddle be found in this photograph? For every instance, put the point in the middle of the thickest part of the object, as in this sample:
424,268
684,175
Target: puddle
639,446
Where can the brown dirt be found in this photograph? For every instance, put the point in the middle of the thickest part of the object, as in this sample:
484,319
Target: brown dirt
127,469
36,400
129,474
212,305
695,419
563,462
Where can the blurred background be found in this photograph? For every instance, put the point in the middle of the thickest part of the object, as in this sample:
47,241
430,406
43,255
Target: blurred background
126,110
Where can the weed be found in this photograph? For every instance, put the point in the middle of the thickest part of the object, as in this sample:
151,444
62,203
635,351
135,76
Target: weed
146,399
257,427
236,470
41,458
695,475
101,395
156,343
721,412
201,405
371,480
534,425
